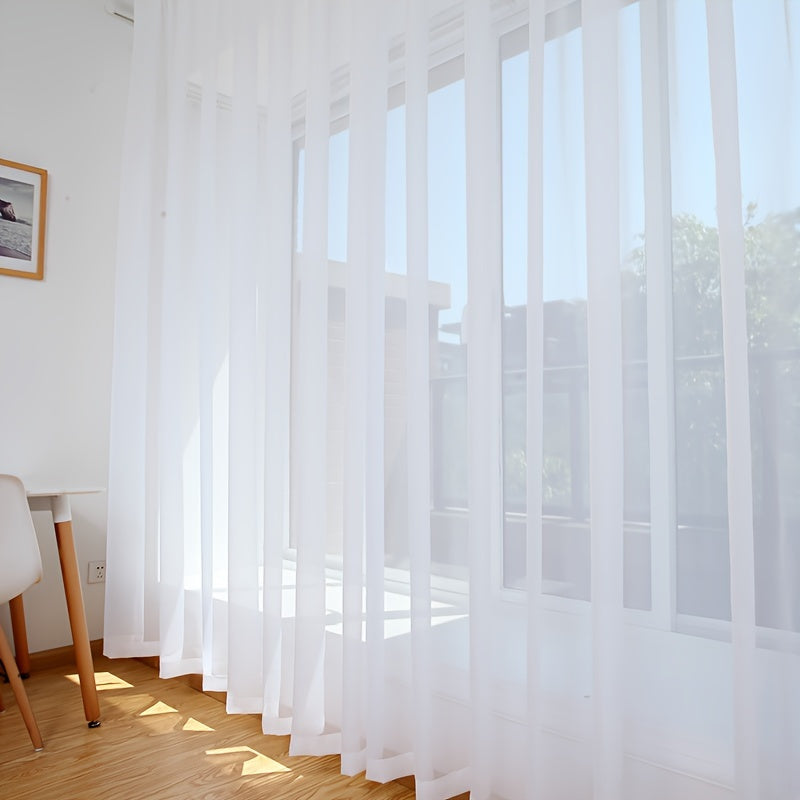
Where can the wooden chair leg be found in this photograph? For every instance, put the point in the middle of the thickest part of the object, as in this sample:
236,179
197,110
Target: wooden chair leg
19,691
20,635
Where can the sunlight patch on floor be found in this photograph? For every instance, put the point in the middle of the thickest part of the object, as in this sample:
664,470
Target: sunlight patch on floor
193,724
104,681
158,708
258,765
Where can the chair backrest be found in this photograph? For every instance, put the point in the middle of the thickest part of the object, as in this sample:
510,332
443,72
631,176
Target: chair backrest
20,560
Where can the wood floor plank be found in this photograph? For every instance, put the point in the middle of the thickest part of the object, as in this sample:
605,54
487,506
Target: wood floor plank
159,739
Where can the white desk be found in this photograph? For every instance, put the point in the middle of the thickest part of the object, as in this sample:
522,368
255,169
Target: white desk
56,501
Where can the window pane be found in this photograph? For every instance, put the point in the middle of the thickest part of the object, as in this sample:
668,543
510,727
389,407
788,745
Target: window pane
703,586
565,479
768,73
447,259
514,106
633,287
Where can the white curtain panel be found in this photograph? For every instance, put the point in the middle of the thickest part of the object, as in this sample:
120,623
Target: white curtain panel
456,386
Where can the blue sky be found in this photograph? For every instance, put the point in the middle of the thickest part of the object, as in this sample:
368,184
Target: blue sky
768,141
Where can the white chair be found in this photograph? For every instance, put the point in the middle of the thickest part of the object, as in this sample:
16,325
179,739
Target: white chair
20,568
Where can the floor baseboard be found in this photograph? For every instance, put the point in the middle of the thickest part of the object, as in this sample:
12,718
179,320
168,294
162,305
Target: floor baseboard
61,656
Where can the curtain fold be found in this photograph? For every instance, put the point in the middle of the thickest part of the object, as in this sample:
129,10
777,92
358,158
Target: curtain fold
599,24
724,116
534,406
483,378
309,395
456,383
276,315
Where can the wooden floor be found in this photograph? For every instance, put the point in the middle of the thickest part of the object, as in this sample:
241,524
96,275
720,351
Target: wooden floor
160,740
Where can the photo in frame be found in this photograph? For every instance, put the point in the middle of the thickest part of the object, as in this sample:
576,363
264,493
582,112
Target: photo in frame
23,199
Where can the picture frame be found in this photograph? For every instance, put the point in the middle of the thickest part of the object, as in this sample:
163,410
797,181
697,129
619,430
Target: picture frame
23,206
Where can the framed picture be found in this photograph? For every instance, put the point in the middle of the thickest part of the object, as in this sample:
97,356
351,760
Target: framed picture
23,196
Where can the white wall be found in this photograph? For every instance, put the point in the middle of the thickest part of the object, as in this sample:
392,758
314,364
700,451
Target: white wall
64,68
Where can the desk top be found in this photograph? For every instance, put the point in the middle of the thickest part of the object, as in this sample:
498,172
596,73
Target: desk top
55,491
56,500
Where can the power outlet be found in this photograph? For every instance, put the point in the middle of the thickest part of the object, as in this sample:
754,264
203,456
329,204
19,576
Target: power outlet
97,572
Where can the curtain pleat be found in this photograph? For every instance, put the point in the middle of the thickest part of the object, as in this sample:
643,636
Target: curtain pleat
604,321
418,376
372,153
309,401
276,311
363,700
244,487
454,407
535,773
660,351
483,336
179,636
206,259
724,116
131,612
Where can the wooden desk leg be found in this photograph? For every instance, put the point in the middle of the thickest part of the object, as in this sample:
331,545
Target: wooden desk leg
77,620
20,635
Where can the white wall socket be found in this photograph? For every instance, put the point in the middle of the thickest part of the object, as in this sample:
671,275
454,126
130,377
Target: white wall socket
97,572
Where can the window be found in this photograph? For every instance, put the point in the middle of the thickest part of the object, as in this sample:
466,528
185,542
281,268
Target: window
676,558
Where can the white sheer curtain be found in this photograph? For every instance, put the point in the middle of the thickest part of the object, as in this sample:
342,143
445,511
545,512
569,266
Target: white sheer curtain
456,395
